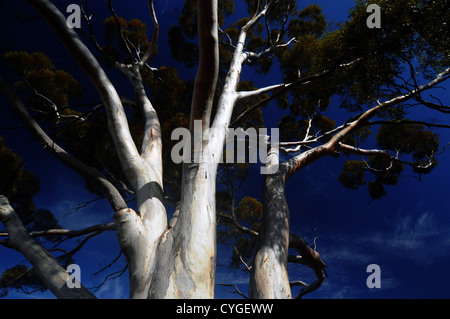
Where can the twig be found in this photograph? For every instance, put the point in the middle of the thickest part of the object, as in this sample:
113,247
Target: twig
237,291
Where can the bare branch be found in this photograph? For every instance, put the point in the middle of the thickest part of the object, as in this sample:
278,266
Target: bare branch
365,152
235,223
154,41
51,273
395,101
248,94
230,42
117,121
305,158
86,171
247,267
125,40
236,290
310,258
107,266
70,233
111,276
283,87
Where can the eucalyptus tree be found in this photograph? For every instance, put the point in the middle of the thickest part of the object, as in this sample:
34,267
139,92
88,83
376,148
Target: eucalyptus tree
174,256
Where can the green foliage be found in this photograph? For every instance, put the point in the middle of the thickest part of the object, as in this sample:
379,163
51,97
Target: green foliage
353,174
248,213
127,36
310,21
409,139
181,37
400,139
21,278
20,186
48,89
411,30
16,183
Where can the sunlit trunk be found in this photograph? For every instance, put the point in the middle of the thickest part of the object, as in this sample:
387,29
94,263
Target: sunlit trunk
269,278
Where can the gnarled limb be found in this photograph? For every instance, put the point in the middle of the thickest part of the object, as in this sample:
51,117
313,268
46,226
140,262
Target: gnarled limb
310,258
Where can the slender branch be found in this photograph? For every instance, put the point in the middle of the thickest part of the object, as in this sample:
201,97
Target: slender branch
395,101
247,267
84,170
365,152
235,223
284,87
68,232
117,120
304,159
237,291
154,41
248,94
274,45
71,253
230,42
257,16
107,266
124,39
111,276
310,258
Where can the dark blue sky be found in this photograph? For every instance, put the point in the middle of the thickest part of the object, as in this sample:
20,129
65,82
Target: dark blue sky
406,233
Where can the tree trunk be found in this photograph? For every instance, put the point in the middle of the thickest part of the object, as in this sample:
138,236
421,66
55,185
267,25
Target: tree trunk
269,278
186,257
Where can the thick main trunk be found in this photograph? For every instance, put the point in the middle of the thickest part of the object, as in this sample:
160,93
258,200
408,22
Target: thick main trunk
186,256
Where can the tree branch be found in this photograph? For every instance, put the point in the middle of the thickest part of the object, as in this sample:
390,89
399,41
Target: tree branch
51,273
154,41
237,291
310,258
248,94
284,87
208,69
117,121
381,106
90,173
236,224
68,232
303,159
365,152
